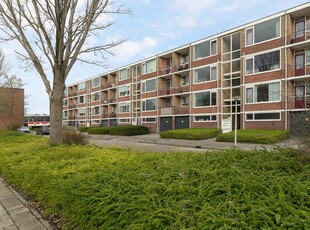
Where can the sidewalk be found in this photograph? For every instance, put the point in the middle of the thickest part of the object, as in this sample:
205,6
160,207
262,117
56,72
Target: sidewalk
210,144
14,213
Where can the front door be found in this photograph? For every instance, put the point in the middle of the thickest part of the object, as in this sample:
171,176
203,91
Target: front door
300,31
299,64
299,97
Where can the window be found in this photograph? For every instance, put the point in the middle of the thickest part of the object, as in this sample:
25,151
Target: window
124,91
95,82
308,57
249,37
81,99
149,66
263,93
184,101
95,121
123,107
263,31
81,112
81,86
66,92
308,24
149,105
149,85
205,99
123,74
96,111
205,74
184,80
204,118
213,48
65,114
96,96
124,120
82,122
205,49
65,102
184,59
263,62
149,120
263,116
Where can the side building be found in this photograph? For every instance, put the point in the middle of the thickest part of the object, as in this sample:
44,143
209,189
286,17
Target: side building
256,76
11,108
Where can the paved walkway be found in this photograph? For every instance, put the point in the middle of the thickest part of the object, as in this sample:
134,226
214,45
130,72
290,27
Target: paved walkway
153,142
14,213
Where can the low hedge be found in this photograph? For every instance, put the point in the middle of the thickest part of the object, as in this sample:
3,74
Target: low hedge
98,130
129,130
255,136
84,129
191,134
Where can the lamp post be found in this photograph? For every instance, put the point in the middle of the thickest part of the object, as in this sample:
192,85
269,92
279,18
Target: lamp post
236,99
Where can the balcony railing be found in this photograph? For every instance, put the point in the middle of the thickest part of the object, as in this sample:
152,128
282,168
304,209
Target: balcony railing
299,36
183,67
166,70
174,110
300,102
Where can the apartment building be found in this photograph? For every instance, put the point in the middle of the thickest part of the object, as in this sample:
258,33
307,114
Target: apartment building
11,108
256,76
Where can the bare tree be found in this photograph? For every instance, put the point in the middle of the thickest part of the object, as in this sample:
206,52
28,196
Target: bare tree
54,35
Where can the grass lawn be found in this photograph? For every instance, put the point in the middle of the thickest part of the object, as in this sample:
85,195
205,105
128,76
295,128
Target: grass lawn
95,188
191,134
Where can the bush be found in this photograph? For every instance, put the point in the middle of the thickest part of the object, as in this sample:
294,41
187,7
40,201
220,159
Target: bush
129,130
73,137
83,129
191,134
98,130
255,136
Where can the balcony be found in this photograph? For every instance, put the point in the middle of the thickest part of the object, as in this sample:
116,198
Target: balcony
299,102
72,106
73,94
174,110
297,39
182,67
166,70
181,89
104,101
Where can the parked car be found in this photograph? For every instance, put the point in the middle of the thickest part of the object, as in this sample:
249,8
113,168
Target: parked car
23,129
44,130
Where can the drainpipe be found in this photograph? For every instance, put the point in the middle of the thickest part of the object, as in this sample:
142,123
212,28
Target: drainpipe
285,83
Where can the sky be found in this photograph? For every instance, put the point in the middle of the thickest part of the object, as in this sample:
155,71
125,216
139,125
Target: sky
154,26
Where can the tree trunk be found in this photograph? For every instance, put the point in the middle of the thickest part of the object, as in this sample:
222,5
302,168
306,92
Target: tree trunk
56,110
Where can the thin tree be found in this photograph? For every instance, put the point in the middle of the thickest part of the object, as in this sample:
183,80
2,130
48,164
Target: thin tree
56,34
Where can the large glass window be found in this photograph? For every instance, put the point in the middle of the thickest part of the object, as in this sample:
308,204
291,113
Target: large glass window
205,49
308,57
205,74
263,93
263,116
95,82
263,31
81,99
123,74
204,118
96,96
149,66
96,111
149,105
124,90
184,101
149,85
81,112
123,107
263,62
205,99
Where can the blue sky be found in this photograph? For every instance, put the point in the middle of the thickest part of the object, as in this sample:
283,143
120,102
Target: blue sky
154,27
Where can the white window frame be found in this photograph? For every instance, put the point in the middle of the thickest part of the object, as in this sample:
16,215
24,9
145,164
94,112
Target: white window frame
262,112
144,83
94,109
252,57
81,114
94,82
144,101
206,106
254,93
203,115
81,86
93,97
145,66
126,76
186,81
184,104
207,66
144,120
210,49
127,90
124,104
123,120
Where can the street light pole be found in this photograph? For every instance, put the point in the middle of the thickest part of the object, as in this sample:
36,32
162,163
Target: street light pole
236,99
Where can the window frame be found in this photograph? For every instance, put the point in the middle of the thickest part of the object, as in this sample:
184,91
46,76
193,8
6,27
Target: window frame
144,85
205,115
127,90
254,94
265,112
211,92
95,111
145,66
127,74
81,88
210,74
94,82
94,96
144,120
125,104
187,100
209,52
144,102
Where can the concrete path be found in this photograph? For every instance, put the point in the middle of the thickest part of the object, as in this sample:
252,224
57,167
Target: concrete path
14,213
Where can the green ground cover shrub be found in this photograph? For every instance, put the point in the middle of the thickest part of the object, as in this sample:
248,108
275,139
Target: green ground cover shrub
191,134
129,130
255,136
83,129
99,130
98,188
